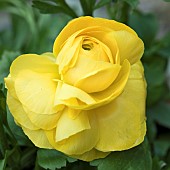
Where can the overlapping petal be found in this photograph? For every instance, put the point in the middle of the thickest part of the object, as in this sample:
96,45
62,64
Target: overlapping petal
19,114
122,122
38,137
91,155
79,143
36,91
76,98
84,22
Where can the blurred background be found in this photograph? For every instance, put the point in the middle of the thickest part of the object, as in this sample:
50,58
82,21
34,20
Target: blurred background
31,26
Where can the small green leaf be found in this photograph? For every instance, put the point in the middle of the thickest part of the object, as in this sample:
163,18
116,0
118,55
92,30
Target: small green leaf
102,3
47,8
54,8
162,145
137,158
87,6
5,63
146,25
151,127
161,113
132,3
52,159
165,46
17,132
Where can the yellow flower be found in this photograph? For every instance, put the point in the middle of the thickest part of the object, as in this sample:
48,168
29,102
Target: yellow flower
89,99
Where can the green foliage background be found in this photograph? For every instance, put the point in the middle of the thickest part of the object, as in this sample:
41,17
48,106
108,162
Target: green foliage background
33,28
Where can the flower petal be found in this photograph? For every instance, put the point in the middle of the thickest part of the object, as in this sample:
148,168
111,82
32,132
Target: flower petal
38,137
131,47
43,121
72,48
67,127
79,143
36,91
37,63
115,88
84,22
9,83
94,82
91,155
78,99
91,79
66,93
122,126
19,114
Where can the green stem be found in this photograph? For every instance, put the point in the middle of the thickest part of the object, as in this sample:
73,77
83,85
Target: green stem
67,8
88,7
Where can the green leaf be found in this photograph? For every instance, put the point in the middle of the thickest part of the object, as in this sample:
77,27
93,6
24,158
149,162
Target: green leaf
146,25
87,6
17,132
162,145
52,159
132,3
54,8
47,8
157,164
155,77
167,0
5,63
165,46
137,158
161,113
151,127
102,3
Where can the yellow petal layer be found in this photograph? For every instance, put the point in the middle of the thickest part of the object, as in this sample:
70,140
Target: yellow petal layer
84,22
122,122
67,127
91,79
19,114
130,46
78,99
91,155
43,121
38,137
65,93
36,91
79,143
10,86
36,63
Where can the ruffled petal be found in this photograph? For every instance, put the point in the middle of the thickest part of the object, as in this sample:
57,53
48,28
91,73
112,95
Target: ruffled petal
38,137
36,63
43,121
96,79
9,83
79,143
122,122
67,126
36,91
85,22
130,46
19,114
91,79
91,155
78,99
66,93
71,47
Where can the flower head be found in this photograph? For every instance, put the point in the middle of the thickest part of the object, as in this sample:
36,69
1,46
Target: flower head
88,97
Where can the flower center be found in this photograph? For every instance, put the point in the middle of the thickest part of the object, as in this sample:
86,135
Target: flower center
88,46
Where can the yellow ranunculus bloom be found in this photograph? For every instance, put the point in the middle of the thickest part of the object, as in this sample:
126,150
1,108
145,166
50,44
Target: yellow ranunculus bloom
88,97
